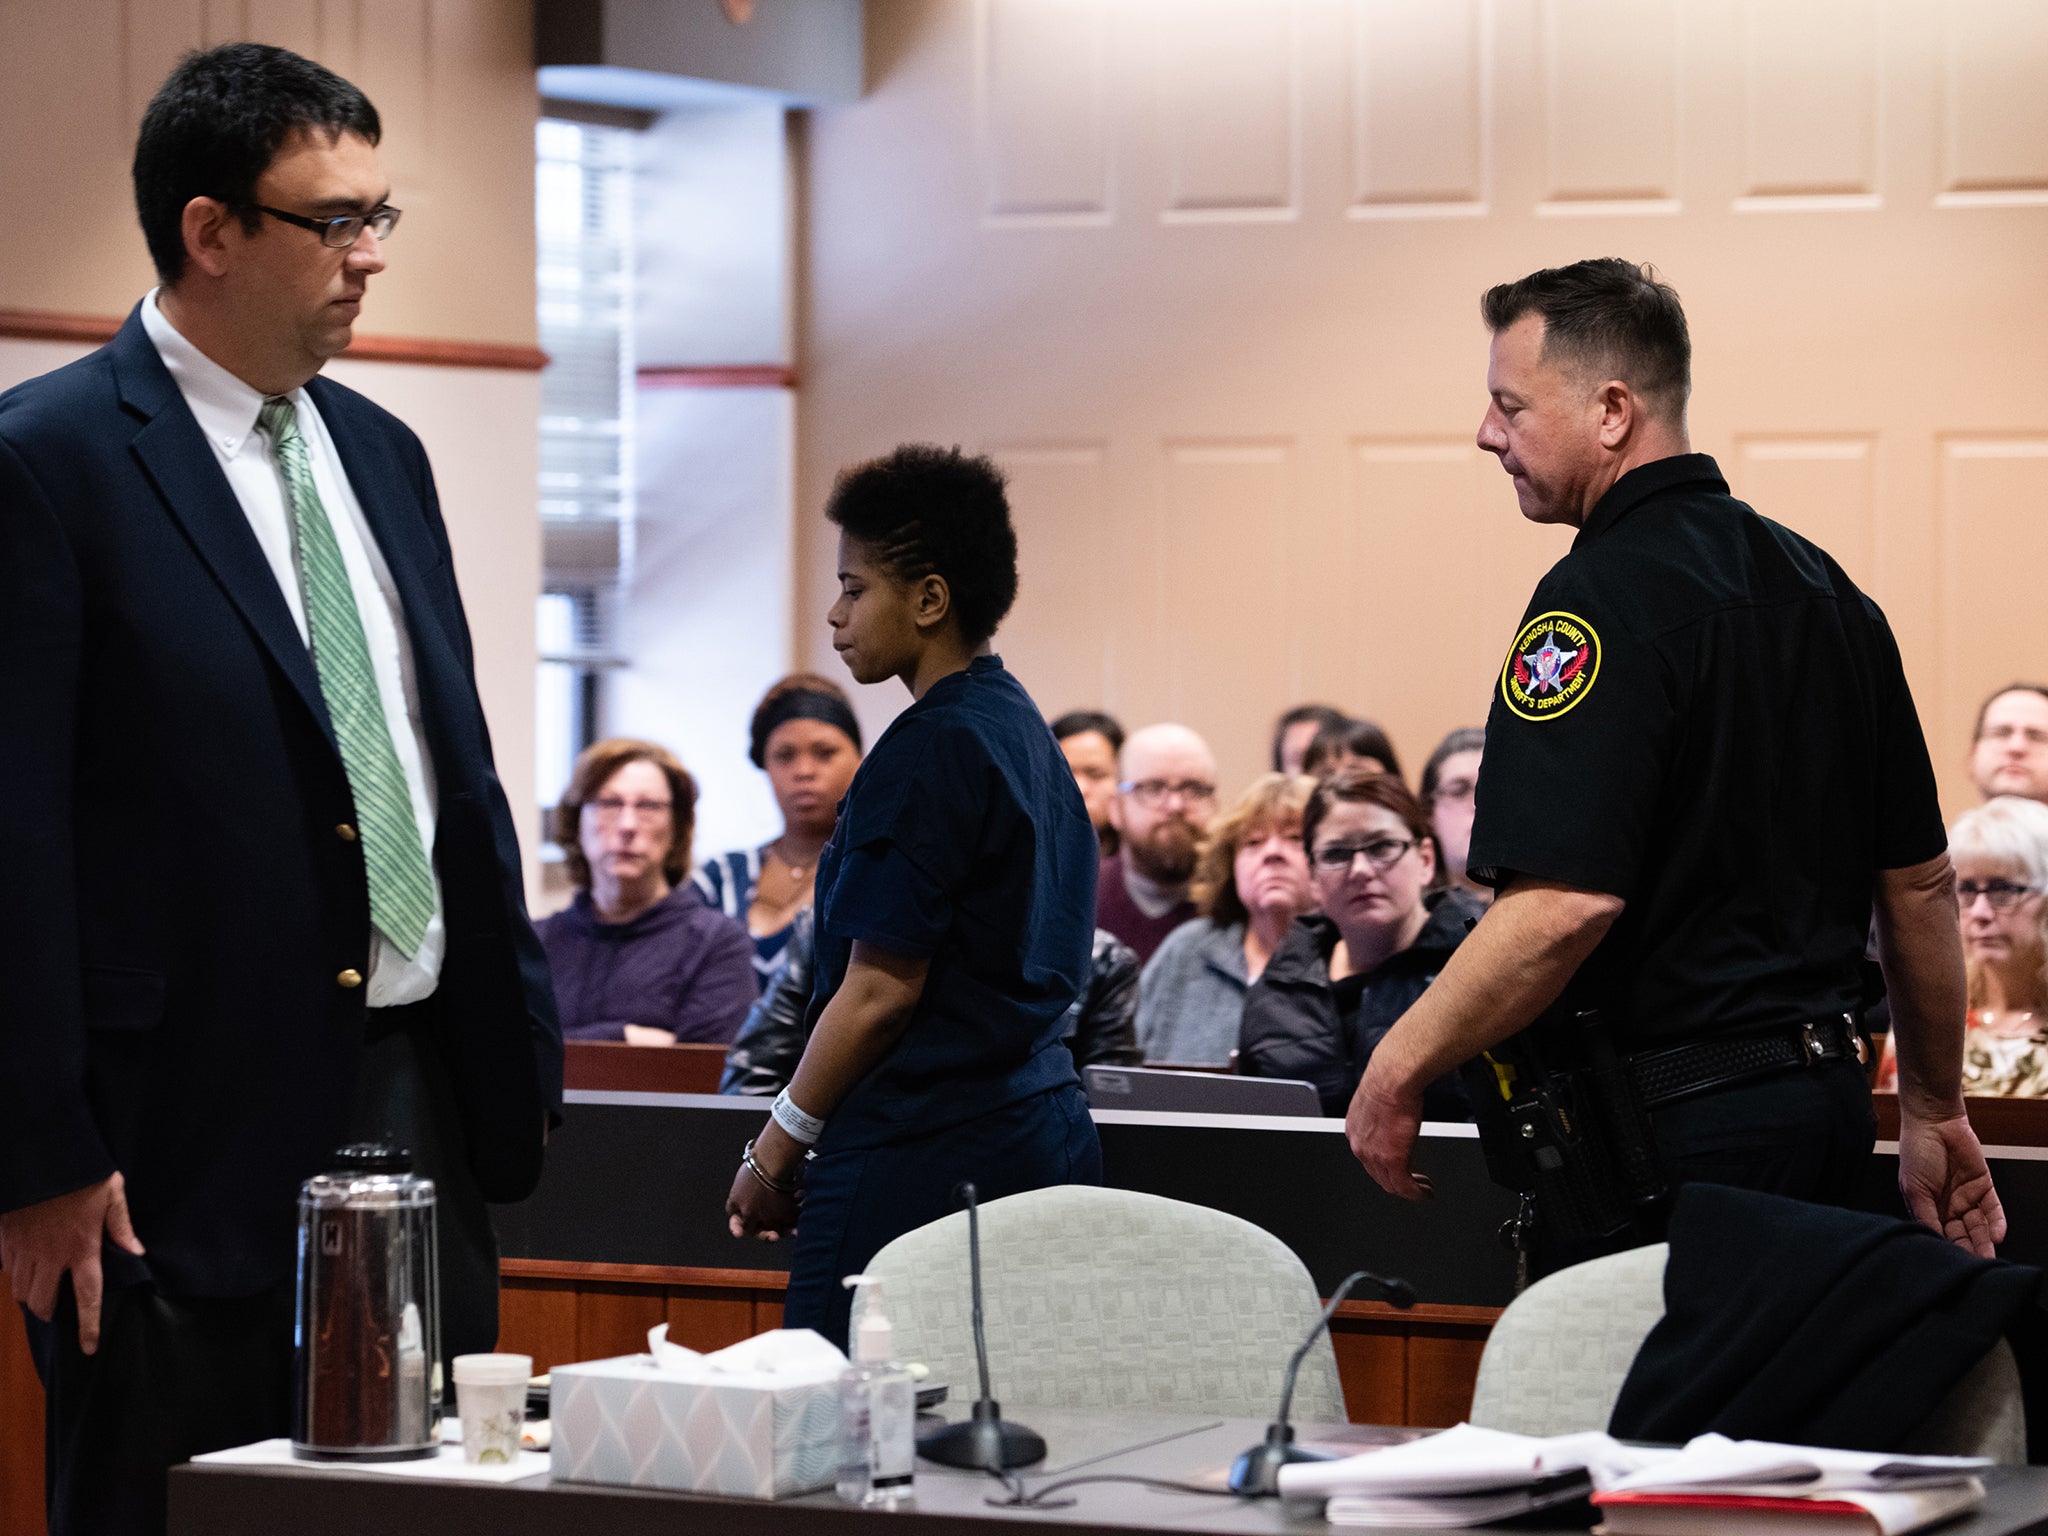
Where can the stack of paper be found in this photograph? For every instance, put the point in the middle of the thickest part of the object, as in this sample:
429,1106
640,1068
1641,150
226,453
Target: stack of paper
1471,1476
1464,1476
1756,1488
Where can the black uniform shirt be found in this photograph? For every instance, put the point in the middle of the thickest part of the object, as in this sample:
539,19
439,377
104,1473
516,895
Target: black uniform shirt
1703,716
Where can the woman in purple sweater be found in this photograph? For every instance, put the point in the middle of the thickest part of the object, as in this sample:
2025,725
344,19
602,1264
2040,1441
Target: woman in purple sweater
639,956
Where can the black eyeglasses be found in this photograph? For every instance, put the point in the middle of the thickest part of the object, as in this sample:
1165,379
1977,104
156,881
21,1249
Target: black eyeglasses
345,231
1151,792
1381,853
2002,894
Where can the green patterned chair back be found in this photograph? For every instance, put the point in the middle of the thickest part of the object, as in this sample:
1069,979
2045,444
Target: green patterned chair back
1105,1298
1556,1360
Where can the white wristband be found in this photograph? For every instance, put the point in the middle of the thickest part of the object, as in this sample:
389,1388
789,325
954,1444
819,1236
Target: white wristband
800,1127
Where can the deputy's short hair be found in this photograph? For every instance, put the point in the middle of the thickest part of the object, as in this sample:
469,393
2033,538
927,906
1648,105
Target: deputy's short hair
1608,318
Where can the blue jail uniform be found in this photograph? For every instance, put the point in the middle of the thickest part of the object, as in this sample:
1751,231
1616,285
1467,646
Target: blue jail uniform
962,841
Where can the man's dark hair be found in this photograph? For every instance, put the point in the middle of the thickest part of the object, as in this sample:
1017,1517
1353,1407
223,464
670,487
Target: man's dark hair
1357,738
1076,721
1322,714
214,127
1609,318
925,511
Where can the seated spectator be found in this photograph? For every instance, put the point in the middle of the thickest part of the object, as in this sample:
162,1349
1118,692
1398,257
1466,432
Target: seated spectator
1356,744
2009,752
2000,852
1293,731
763,1056
1091,741
804,736
1166,798
1251,883
637,956
1450,781
1343,975
1102,1026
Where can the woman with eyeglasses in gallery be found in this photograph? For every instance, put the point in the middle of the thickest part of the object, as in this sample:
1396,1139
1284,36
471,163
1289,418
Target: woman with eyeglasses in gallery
2000,853
639,955
954,913
1347,971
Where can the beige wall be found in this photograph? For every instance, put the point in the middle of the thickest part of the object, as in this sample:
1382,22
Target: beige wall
1203,274
453,81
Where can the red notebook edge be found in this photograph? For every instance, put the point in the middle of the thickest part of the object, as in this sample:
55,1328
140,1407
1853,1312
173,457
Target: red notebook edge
1792,1504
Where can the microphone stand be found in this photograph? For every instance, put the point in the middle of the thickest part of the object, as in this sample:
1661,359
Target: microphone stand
1256,1473
986,1439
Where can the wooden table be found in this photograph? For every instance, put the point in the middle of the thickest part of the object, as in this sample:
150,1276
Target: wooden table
219,1501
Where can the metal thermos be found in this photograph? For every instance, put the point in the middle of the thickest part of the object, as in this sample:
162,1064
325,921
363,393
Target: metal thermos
367,1373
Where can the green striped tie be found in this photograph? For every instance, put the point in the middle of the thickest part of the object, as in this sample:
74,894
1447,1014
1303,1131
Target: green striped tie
401,883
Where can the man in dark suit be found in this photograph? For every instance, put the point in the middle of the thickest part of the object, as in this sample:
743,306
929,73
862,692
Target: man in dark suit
259,889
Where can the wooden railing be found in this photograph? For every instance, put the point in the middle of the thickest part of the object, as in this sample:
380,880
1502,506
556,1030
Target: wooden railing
607,1064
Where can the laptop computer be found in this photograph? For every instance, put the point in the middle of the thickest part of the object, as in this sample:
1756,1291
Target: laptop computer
1198,1093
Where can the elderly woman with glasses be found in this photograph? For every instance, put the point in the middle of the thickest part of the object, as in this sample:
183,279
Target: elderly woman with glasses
1345,973
2000,852
639,955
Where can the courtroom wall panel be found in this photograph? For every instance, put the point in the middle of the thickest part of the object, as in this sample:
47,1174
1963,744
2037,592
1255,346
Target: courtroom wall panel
1204,278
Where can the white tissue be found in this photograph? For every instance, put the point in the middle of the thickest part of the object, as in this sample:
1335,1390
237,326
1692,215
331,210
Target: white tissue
782,1357
671,1359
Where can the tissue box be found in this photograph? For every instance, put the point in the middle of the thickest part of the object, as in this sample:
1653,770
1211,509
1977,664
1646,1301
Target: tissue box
626,1421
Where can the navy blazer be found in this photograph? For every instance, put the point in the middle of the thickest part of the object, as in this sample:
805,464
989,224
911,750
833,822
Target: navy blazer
178,898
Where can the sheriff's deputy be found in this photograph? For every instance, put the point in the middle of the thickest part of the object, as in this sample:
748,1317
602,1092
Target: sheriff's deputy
1703,772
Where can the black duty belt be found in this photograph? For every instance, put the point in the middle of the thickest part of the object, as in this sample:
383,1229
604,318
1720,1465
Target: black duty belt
1680,1071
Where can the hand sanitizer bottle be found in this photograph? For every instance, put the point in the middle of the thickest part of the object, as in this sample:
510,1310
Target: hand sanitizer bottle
877,1409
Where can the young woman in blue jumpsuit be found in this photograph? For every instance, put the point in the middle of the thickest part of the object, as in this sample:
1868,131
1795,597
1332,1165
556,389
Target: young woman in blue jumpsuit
955,907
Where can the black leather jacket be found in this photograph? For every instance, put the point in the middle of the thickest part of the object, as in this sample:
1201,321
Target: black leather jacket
1101,1026
1294,1026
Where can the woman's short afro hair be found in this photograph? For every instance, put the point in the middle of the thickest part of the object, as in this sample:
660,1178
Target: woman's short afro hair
928,511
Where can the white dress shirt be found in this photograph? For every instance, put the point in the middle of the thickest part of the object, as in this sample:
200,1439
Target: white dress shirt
226,409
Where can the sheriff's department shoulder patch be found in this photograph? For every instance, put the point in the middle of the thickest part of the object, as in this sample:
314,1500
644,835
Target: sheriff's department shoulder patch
1553,664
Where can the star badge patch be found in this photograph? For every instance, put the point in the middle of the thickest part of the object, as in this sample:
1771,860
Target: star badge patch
1550,667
